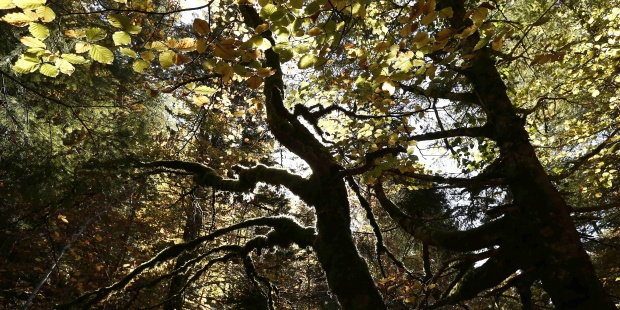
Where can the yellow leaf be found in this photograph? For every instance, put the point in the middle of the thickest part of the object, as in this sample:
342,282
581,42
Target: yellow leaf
261,28
32,42
46,14
166,59
64,66
479,15
389,87
147,55
6,4
29,4
101,54
159,46
140,65
75,34
171,42
62,218
265,72
497,43
202,27
82,47
200,100
39,31
121,38
186,45
17,19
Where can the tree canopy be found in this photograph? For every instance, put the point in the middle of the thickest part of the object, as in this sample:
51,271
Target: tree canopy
297,154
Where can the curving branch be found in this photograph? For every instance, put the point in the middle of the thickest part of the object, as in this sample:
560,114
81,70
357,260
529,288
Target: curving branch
304,236
476,181
248,177
283,124
473,132
370,158
484,236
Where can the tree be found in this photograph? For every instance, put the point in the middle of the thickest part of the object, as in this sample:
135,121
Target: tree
521,94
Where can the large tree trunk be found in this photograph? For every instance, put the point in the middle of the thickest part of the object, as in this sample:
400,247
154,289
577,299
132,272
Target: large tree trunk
548,239
347,273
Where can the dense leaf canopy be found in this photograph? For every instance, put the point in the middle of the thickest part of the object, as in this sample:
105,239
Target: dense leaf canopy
297,154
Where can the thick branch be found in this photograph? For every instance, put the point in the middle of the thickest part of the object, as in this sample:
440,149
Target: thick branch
439,94
468,240
460,182
474,132
248,177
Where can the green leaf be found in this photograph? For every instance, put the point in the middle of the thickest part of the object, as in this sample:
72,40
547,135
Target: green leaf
140,65
306,61
29,4
129,52
166,59
267,10
482,43
26,64
95,34
49,70
121,38
133,29
39,31
74,59
101,54
286,54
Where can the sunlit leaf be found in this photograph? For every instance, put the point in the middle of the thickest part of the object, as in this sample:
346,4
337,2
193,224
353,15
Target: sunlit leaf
121,38
6,4
29,4
186,45
101,54
200,100
64,66
74,59
39,31
95,34
32,42
140,65
17,19
205,90
166,59
307,61
147,55
46,14
389,87
315,31
159,46
129,52
48,70
75,34
180,59
479,15
82,47
26,64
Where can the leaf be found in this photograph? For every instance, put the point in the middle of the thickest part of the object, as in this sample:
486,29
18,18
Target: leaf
45,14
201,26
26,64
147,55
315,31
306,61
64,66
498,43
180,59
255,82
140,65
166,59
159,46
119,21
267,10
17,19
75,34
133,29
482,43
101,54
32,42
265,72
201,45
95,34
6,4
479,15
186,45
82,47
121,38
48,70
389,87
39,31
200,100
205,90
129,52
74,59
542,21
29,4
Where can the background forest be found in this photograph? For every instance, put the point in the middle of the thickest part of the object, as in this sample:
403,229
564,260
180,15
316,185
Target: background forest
326,154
